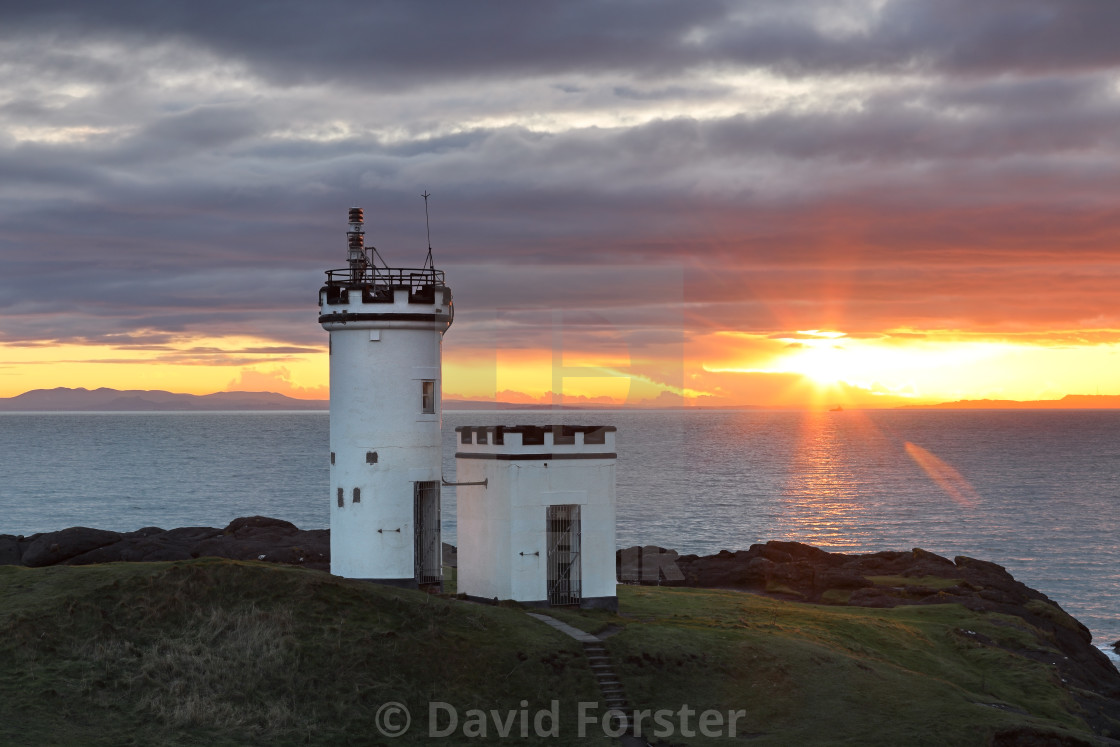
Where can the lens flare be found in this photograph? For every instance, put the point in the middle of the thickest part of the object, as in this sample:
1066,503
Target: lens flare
949,480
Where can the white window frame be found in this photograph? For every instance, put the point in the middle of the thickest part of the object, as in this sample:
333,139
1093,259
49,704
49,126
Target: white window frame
428,396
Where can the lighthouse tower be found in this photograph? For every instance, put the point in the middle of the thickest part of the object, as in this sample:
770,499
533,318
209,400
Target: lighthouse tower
386,328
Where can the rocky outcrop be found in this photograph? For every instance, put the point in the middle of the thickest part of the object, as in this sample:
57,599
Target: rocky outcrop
247,538
791,570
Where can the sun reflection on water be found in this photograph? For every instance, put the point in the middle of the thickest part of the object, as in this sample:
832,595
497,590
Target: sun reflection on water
833,491
823,491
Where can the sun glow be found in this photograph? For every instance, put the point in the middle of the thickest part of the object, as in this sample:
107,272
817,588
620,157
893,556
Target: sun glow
833,358
814,368
904,366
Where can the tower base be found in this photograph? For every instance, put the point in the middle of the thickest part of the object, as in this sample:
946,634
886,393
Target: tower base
609,604
400,583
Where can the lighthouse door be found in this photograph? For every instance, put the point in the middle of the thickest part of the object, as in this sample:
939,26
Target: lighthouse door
563,538
427,548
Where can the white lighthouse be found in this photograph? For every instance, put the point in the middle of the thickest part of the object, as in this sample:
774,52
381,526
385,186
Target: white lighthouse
386,330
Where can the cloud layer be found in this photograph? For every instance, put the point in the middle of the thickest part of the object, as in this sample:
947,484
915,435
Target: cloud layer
181,169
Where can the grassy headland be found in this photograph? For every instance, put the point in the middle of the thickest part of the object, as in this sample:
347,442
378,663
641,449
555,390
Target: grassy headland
813,674
222,652
225,652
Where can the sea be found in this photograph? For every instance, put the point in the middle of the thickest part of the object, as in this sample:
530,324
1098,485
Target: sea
1037,491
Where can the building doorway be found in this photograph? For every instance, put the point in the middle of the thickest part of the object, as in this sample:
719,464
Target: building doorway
563,537
427,547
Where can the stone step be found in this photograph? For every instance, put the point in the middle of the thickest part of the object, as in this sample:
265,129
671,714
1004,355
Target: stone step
599,661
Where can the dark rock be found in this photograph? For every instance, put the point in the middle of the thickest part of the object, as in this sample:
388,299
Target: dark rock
247,538
141,548
800,551
10,551
246,524
887,563
840,578
144,532
190,534
925,557
773,554
57,547
963,561
996,595
270,540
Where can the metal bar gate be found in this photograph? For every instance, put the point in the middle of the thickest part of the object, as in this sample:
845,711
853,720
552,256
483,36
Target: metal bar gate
563,555
427,547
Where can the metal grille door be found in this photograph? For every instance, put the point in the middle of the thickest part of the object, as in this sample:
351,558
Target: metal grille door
427,548
563,555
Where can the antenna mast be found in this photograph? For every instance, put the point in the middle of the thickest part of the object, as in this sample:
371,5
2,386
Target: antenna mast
429,263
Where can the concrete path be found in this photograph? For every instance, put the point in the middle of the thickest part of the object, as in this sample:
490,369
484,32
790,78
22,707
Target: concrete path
563,627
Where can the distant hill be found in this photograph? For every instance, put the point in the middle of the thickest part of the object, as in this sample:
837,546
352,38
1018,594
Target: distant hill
1068,402
470,404
64,399
80,399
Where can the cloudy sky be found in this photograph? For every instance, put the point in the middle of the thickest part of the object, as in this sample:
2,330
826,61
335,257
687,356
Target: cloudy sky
858,201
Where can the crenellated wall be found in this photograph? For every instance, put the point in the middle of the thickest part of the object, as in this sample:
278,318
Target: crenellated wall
503,528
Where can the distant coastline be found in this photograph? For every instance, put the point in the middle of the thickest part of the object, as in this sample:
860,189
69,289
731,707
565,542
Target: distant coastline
79,399
1068,402
64,399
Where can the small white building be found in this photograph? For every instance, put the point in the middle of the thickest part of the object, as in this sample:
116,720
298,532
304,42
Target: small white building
386,329
536,514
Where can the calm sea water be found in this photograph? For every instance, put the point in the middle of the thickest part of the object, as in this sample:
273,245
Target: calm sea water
1036,491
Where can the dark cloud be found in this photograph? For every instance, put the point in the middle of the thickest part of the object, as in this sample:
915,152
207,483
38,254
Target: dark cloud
203,128
393,43
174,169
397,43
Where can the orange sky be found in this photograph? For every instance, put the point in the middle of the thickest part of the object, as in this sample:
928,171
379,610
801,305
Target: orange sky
811,368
